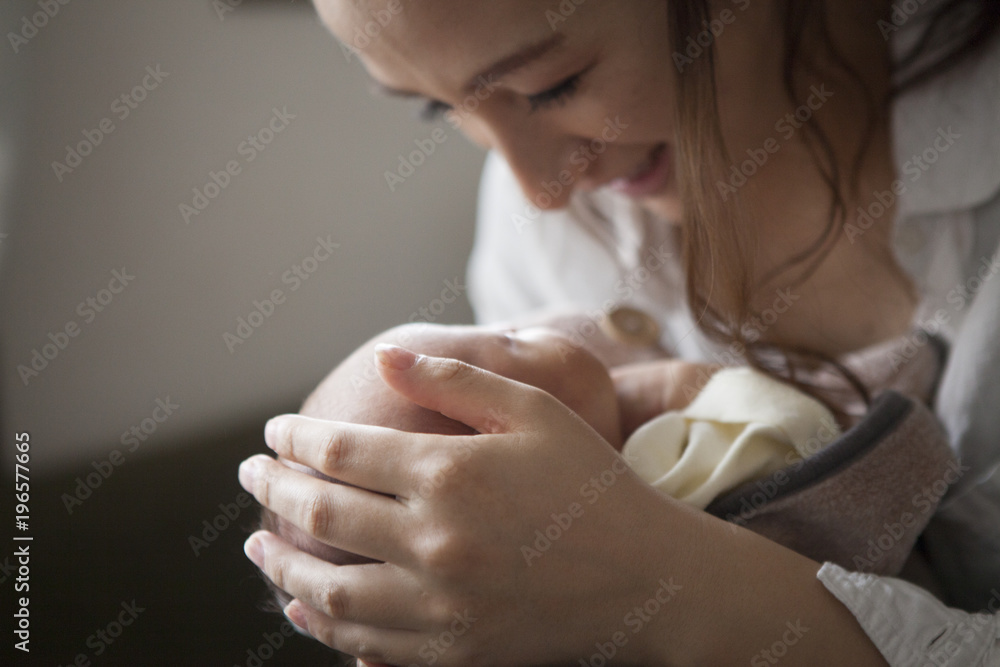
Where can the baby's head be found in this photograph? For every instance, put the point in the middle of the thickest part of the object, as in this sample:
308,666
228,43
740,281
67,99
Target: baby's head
540,357
537,356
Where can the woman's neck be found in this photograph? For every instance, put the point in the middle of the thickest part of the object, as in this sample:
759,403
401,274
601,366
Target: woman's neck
857,295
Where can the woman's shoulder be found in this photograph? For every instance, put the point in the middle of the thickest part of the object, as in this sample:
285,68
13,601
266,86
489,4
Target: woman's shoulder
946,132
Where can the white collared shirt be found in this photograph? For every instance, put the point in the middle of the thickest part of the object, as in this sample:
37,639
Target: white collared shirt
597,253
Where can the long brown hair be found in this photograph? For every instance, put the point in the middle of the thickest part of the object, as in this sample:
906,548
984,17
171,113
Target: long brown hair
718,237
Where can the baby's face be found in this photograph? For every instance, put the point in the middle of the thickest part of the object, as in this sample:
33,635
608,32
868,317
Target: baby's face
538,356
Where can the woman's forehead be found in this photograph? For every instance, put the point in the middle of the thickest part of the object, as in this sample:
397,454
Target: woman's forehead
399,39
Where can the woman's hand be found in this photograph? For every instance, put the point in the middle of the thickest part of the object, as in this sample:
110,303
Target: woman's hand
525,544
529,543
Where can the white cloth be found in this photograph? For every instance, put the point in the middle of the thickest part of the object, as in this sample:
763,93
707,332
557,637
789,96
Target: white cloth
742,426
946,232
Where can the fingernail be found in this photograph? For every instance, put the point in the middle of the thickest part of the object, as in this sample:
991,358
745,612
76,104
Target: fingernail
254,549
294,613
248,473
393,356
271,432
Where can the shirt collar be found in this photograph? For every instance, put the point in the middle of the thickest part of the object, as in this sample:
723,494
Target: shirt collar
947,132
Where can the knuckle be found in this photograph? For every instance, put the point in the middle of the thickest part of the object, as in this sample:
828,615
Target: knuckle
277,572
448,557
288,438
450,370
327,634
317,515
447,474
333,451
333,597
262,486
369,654
530,400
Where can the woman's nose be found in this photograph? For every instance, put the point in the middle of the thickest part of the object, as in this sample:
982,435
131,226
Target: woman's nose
540,160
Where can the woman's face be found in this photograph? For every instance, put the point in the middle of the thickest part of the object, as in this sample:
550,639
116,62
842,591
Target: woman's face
574,95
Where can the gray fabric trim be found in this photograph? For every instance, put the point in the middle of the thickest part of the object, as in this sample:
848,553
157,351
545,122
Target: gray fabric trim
887,412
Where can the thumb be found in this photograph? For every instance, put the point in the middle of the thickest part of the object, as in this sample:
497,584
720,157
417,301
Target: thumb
482,400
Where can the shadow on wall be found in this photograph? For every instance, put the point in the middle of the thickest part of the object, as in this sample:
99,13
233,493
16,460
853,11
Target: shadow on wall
199,226
145,567
202,212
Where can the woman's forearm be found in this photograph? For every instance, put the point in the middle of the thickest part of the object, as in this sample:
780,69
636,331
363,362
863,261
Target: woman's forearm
752,601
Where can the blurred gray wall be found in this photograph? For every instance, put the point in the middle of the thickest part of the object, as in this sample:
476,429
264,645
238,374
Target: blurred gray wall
162,336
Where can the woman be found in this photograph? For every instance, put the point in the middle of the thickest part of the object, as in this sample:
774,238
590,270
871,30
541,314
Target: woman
843,155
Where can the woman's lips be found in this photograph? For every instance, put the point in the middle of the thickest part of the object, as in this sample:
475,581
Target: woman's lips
651,177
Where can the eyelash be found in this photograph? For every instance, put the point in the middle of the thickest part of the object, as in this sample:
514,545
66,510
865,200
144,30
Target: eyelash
557,95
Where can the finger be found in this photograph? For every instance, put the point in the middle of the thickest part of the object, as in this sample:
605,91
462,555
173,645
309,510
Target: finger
373,646
372,457
376,594
478,398
355,520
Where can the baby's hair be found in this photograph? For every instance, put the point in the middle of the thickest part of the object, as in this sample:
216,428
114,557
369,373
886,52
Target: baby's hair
278,599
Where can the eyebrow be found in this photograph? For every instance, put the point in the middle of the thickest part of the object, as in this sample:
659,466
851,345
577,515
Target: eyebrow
506,65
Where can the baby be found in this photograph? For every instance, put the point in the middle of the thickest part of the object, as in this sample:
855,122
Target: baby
744,434
539,356
685,455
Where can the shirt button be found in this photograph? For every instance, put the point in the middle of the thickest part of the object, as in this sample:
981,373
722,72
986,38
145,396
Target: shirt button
632,326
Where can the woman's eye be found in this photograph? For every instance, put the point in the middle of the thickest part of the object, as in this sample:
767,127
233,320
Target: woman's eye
433,111
556,95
